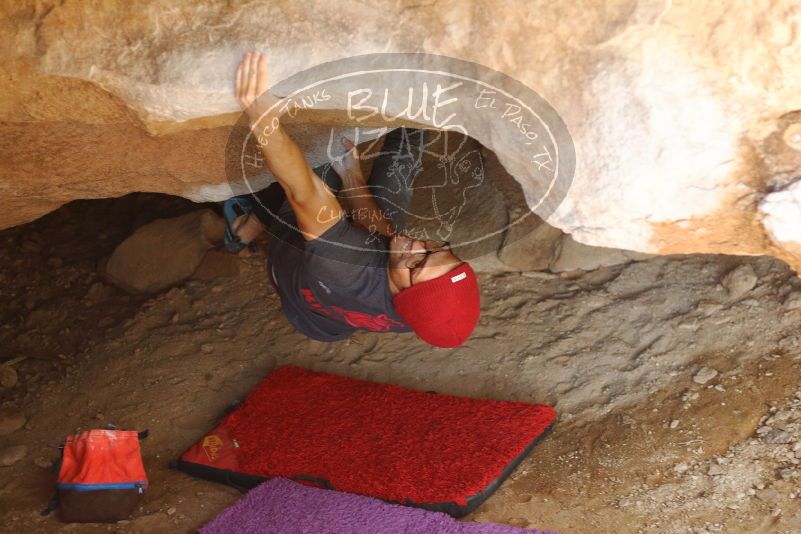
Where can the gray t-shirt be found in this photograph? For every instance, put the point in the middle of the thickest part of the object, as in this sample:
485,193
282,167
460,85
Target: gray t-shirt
334,285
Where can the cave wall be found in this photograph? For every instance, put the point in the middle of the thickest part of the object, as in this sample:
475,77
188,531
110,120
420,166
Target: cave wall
681,111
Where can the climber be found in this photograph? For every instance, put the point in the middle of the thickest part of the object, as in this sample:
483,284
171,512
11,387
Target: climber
338,269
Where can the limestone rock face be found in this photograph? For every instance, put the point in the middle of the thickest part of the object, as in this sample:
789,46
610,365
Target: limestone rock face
573,255
681,111
531,245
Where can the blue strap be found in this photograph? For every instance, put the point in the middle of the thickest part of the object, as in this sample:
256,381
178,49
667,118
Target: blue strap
233,208
95,487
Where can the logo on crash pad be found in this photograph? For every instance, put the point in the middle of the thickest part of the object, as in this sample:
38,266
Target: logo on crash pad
212,445
218,449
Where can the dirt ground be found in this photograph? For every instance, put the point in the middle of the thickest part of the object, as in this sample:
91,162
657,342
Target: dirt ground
679,398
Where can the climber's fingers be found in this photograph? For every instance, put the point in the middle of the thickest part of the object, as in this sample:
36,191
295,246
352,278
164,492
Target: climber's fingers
241,82
253,72
263,78
350,147
240,73
251,78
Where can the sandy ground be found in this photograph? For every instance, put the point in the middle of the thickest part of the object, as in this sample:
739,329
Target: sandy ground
679,398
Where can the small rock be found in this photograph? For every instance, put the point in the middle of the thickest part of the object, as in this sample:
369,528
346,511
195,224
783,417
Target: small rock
171,510
164,252
44,463
539,275
674,423
690,396
8,376
777,437
709,308
681,468
715,470
99,292
788,474
627,420
11,422
704,375
789,342
793,301
519,522
31,246
11,455
740,281
767,495
207,348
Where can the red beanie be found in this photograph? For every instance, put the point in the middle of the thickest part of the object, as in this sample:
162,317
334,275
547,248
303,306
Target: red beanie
443,311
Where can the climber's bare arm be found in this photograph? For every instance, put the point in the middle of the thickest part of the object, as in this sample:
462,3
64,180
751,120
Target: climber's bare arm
315,206
361,203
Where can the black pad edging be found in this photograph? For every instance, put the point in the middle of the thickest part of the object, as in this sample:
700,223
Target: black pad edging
244,482
455,510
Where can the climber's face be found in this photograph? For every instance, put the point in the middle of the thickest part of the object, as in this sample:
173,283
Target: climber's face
414,261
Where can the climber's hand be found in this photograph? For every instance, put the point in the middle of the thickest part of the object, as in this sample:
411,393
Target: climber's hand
348,167
251,85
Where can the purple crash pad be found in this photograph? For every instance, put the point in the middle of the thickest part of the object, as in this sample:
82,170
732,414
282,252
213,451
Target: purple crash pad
280,505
